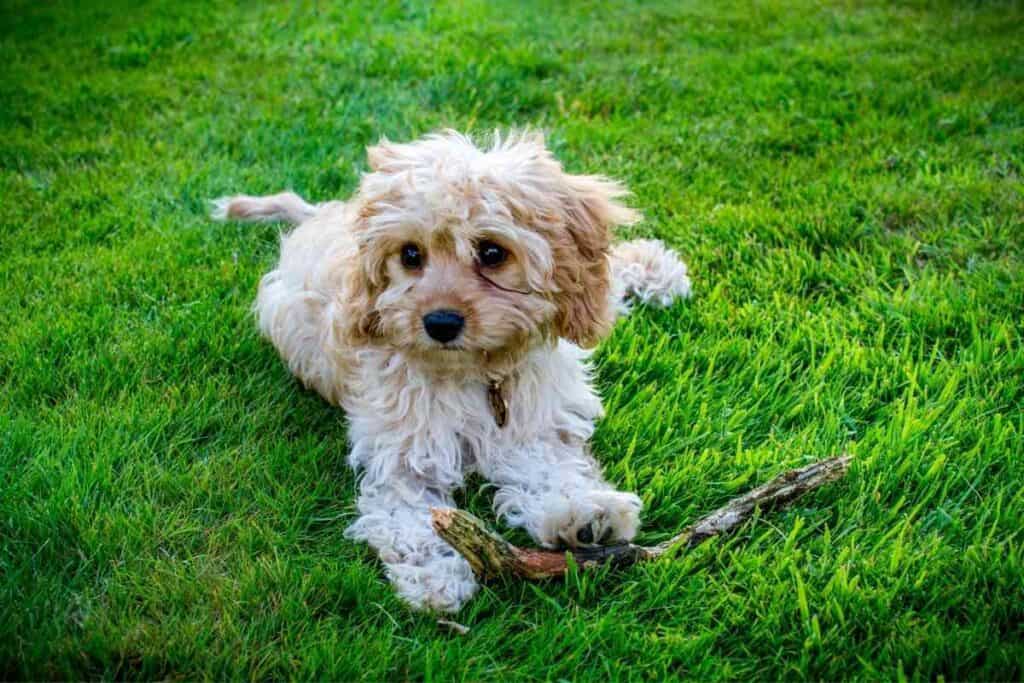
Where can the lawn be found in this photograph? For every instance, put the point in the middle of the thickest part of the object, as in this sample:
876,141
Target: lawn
845,183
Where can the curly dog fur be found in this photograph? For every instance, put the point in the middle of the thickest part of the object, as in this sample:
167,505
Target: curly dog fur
457,277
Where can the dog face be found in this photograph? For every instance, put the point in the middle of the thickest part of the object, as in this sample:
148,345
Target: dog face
469,251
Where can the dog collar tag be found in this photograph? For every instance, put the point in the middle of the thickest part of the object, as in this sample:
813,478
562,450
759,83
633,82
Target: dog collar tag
499,408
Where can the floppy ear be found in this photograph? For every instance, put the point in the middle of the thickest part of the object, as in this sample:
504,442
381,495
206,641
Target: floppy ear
363,278
359,323
582,271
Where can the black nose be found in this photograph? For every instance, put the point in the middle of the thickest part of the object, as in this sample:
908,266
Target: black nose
443,325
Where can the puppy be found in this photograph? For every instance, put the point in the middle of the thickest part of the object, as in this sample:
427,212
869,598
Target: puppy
445,307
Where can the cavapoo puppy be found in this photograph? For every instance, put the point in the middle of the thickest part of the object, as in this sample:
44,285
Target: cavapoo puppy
445,307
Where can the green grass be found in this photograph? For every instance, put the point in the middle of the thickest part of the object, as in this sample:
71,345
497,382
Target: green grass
845,183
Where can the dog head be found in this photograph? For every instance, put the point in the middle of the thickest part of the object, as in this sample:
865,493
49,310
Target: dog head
471,251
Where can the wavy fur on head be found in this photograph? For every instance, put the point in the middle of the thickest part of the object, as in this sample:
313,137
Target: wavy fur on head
453,268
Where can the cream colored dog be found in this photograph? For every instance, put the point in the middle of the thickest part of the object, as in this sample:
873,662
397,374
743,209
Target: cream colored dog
445,307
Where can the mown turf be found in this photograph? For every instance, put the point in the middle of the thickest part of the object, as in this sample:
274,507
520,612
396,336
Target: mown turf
844,181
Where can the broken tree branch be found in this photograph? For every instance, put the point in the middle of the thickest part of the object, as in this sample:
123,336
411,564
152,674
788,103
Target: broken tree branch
491,556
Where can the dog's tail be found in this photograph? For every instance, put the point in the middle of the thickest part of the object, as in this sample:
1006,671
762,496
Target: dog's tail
649,272
286,206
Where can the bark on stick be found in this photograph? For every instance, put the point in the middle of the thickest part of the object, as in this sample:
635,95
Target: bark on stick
491,556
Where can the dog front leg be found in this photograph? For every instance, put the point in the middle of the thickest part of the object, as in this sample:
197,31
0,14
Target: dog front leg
394,518
556,492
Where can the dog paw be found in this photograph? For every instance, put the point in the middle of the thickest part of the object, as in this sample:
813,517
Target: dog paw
442,585
590,518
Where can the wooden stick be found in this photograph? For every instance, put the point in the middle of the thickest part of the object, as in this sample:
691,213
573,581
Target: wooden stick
491,556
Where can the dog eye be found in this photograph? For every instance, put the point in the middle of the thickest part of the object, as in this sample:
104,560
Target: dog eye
491,254
411,256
